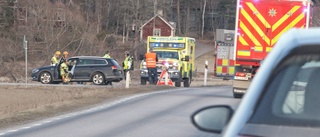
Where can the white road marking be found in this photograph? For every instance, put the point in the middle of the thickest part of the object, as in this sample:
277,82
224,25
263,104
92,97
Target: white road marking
12,131
38,124
25,127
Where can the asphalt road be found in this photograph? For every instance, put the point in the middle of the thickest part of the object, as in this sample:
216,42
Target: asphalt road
155,114
203,48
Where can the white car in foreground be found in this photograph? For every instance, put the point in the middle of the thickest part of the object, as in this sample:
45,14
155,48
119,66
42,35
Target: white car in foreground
283,99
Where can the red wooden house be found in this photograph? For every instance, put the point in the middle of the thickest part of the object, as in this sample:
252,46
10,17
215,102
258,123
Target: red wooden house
156,26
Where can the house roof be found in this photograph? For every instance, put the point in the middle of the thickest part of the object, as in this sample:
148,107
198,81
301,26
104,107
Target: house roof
160,18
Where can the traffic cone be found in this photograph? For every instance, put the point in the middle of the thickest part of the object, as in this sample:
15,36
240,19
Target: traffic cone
162,78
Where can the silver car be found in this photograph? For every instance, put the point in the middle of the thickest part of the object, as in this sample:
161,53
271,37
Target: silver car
283,99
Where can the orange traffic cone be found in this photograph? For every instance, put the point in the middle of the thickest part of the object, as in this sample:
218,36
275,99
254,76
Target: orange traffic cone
162,78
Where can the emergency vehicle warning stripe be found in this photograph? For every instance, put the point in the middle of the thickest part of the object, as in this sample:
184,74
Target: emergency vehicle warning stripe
268,49
243,41
255,26
225,62
248,32
219,69
231,71
258,48
243,53
259,15
293,23
285,17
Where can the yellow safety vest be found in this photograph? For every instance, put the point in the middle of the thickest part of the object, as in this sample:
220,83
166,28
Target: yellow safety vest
54,60
63,67
106,56
126,61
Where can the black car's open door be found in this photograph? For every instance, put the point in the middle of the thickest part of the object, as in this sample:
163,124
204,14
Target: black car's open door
71,72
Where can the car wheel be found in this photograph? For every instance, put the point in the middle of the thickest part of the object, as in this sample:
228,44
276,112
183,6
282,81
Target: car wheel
186,82
178,83
98,79
45,78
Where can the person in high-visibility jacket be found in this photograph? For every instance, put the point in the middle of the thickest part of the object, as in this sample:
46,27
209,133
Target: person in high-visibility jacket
55,58
127,63
64,56
64,72
151,62
106,55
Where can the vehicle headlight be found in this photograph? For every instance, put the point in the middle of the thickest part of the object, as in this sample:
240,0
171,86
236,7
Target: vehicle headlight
175,65
35,70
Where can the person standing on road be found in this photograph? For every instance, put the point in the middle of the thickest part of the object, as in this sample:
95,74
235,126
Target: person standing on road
55,58
127,63
151,61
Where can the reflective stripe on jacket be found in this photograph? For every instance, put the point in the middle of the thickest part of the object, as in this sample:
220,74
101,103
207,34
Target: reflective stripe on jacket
151,60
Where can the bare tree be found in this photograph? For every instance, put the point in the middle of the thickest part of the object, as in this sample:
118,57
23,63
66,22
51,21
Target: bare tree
178,16
203,13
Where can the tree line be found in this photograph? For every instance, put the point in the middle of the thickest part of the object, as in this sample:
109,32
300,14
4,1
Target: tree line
90,27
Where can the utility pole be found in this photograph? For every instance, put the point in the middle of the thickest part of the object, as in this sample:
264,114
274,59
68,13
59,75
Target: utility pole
25,45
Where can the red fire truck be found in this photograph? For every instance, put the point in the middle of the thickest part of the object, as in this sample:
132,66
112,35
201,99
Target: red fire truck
224,50
259,24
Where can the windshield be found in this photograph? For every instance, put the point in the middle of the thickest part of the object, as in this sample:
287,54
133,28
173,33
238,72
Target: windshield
167,54
167,45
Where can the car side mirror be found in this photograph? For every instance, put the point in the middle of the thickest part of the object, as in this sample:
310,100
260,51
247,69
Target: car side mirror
187,58
141,57
212,118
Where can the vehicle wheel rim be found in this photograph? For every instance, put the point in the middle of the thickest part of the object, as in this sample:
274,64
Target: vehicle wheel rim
97,79
45,78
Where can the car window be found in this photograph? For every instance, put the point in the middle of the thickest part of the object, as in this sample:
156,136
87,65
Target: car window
293,97
115,62
72,61
92,62
167,54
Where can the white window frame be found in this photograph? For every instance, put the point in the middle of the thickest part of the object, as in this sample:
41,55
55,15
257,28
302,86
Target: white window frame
156,32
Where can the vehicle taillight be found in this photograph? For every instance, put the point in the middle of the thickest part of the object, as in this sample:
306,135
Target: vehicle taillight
114,67
241,74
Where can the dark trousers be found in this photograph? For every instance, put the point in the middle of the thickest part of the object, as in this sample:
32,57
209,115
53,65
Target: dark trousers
152,75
